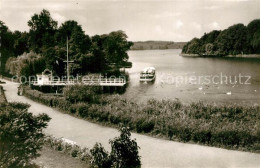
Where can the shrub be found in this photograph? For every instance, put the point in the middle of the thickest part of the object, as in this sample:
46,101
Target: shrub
73,108
217,125
80,93
144,125
100,157
124,151
75,151
21,134
185,134
83,110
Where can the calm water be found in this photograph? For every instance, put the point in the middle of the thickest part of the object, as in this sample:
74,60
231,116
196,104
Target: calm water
194,79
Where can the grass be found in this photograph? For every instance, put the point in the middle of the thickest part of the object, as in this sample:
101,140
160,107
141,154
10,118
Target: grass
227,126
58,159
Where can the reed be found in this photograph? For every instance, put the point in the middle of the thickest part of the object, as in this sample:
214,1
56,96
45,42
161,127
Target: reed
229,126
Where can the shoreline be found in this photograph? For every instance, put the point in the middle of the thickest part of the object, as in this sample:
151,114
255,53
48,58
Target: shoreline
227,56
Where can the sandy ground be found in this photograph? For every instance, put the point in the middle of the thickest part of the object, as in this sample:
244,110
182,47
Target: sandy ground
154,152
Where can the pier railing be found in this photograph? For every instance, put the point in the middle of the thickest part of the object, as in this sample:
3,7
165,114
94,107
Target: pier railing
87,81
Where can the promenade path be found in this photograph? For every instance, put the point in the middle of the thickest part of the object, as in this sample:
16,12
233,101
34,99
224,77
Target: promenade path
154,152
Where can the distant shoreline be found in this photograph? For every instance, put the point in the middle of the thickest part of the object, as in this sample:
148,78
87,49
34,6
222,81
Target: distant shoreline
157,45
227,56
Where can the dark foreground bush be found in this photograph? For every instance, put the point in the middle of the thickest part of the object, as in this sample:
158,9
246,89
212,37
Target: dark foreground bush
124,153
21,134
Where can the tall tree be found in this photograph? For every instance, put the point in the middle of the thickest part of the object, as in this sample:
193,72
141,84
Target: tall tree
78,41
79,45
42,30
253,29
233,40
116,47
21,42
7,43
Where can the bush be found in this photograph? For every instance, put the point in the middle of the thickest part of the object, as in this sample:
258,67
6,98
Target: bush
72,150
21,134
124,152
75,151
80,93
83,110
215,125
100,157
144,125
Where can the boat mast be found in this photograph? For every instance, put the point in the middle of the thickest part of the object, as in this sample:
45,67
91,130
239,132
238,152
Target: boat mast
68,72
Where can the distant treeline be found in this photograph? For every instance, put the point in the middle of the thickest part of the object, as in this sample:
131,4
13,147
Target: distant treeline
157,45
237,39
44,46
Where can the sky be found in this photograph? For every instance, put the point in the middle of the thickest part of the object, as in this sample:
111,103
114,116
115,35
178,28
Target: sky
141,20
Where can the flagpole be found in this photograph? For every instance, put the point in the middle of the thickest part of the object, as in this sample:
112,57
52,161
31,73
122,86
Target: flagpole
68,73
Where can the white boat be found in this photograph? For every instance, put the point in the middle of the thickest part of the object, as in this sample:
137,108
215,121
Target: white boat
147,75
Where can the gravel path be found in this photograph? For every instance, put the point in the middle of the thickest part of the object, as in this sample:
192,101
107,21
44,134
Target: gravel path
154,152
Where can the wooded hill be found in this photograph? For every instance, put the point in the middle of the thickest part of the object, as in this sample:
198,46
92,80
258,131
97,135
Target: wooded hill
236,39
157,45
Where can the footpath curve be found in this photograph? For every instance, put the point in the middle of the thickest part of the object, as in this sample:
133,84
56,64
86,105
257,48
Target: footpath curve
154,152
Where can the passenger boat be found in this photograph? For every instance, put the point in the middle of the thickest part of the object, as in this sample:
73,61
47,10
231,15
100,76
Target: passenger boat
147,75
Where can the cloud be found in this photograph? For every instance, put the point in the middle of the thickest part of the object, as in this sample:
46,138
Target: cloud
178,24
214,26
166,14
196,25
212,7
158,29
175,20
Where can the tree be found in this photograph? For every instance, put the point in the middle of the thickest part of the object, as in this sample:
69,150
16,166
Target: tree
21,42
7,43
194,46
21,134
42,31
232,40
27,64
78,41
253,29
236,39
116,47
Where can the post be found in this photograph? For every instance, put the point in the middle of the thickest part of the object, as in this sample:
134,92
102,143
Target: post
68,73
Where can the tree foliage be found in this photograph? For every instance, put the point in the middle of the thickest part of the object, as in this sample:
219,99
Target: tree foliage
237,39
124,153
26,64
90,54
21,134
42,31
7,42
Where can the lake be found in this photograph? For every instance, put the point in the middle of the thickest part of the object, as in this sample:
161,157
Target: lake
192,79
